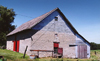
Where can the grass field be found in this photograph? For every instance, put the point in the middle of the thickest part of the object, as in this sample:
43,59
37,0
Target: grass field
15,56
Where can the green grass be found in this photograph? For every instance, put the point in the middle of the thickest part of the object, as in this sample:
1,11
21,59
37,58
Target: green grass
93,56
11,55
15,56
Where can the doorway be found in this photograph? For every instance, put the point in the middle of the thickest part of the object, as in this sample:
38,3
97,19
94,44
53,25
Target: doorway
82,51
16,46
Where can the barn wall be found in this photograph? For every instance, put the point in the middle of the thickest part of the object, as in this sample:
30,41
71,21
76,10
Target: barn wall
23,44
24,38
44,38
80,41
9,45
88,51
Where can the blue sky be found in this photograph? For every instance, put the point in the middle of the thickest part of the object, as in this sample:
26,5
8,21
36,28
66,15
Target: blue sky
84,15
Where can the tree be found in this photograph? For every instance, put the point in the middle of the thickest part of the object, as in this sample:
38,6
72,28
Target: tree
6,20
95,46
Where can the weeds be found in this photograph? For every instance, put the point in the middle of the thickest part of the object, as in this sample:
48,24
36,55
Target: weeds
15,56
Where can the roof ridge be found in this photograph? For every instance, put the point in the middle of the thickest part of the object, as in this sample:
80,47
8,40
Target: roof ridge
39,16
48,13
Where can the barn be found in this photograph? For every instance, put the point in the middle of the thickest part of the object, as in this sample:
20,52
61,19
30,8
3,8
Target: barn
50,34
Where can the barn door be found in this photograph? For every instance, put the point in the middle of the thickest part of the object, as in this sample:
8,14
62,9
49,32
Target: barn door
60,51
82,51
16,46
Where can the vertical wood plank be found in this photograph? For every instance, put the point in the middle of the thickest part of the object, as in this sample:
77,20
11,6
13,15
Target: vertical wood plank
78,51
82,51
85,51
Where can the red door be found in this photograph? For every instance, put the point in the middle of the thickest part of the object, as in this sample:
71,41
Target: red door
16,46
60,51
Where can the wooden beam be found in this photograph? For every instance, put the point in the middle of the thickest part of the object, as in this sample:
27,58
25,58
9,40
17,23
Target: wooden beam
25,52
43,50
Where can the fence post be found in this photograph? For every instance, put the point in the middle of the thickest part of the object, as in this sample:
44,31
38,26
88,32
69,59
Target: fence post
25,52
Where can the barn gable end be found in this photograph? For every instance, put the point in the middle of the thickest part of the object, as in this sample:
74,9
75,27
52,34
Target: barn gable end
45,37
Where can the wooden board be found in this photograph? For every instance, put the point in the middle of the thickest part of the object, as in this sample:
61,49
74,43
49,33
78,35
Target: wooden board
82,51
60,50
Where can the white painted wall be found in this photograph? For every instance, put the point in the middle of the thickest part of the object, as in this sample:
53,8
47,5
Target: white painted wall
9,45
23,44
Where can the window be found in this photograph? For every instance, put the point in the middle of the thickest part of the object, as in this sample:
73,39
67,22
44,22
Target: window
56,35
56,18
56,46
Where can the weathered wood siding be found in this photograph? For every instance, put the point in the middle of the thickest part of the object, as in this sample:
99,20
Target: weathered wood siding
80,41
44,38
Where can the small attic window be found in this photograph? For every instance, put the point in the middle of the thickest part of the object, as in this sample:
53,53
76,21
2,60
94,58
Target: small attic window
56,18
56,35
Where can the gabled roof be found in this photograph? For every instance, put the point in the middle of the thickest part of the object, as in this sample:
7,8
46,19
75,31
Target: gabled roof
33,22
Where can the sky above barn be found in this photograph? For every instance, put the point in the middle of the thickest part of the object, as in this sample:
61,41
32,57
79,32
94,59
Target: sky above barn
84,15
